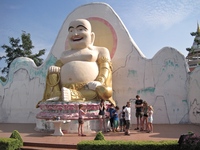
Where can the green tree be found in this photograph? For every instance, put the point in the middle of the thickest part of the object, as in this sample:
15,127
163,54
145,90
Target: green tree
23,49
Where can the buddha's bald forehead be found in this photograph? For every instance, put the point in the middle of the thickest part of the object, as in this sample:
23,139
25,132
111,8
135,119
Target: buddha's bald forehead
80,22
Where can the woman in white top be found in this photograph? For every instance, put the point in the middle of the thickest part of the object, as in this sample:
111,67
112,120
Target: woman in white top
127,111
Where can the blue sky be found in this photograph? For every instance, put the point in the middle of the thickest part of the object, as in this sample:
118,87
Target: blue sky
152,24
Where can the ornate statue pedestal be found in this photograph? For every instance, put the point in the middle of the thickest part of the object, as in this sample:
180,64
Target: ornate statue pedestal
68,112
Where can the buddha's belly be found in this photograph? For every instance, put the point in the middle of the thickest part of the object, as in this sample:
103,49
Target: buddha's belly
79,71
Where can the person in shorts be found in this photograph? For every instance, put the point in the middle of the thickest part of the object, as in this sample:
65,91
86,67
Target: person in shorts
122,120
127,111
145,116
115,119
102,116
150,119
81,120
110,110
139,112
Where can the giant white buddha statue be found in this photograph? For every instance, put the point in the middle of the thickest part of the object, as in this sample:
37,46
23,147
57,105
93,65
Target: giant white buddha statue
84,72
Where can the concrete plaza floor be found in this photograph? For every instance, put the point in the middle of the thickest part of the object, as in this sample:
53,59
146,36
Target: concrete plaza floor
161,132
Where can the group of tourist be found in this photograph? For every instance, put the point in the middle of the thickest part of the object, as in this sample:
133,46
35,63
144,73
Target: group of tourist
144,115
120,120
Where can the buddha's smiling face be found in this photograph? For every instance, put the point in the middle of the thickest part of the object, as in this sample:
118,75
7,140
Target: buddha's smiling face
80,35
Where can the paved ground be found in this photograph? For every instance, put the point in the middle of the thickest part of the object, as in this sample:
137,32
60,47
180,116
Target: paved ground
161,132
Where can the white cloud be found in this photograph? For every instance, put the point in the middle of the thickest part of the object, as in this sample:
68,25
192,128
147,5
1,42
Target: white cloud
163,13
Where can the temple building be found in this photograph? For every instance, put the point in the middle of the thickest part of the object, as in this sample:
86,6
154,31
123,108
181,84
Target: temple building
193,56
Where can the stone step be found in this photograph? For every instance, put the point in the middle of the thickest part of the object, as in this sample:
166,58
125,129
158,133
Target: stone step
40,148
45,146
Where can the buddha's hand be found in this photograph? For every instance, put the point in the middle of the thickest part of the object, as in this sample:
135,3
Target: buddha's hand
54,69
93,84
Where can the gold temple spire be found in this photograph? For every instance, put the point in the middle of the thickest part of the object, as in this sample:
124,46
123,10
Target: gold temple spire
198,28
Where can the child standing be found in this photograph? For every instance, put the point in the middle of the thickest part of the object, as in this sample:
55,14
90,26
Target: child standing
127,111
110,110
81,120
115,119
150,119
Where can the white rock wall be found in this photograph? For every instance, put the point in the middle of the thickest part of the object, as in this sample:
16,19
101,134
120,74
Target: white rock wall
161,81
24,88
194,96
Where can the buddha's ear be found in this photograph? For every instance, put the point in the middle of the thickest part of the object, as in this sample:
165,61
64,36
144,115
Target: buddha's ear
92,38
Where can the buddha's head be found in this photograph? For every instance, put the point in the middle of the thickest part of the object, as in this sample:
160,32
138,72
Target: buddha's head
80,34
